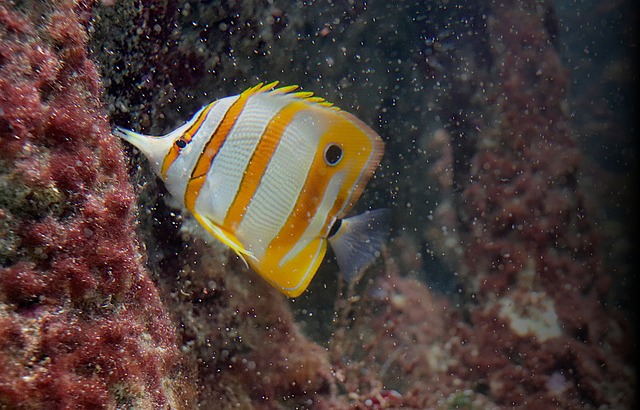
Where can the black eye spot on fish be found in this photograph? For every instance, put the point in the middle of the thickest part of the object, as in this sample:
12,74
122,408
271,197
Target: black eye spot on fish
180,143
333,154
334,228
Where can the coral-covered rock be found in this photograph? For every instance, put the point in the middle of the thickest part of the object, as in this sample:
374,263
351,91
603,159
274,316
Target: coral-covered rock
82,325
236,328
530,328
531,256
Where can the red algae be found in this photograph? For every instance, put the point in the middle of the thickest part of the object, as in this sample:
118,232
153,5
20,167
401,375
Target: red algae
82,325
531,328
538,333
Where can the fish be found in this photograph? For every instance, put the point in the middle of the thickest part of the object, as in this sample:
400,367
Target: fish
273,173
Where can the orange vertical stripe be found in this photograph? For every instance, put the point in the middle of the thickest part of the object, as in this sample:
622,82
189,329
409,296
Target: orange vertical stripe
211,148
259,162
186,137
306,206
357,166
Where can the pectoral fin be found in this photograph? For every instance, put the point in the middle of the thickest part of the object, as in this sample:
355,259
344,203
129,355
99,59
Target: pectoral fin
358,241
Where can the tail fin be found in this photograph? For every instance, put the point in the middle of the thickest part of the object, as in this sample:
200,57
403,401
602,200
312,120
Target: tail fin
359,241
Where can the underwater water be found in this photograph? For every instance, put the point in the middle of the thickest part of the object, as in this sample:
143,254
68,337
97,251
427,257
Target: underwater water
509,170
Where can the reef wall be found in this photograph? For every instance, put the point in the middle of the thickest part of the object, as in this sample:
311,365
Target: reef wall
81,323
531,252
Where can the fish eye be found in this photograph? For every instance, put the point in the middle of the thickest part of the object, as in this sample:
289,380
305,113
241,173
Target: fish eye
180,143
333,154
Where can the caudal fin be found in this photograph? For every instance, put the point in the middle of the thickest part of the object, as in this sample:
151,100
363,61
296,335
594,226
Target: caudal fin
359,241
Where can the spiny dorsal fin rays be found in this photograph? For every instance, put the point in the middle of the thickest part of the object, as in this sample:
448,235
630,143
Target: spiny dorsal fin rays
302,94
289,89
285,90
259,88
318,100
308,96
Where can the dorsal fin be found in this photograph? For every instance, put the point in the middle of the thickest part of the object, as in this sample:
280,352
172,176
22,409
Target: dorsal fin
259,88
288,90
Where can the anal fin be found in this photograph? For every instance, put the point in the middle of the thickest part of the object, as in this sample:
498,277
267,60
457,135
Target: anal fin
225,237
291,270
